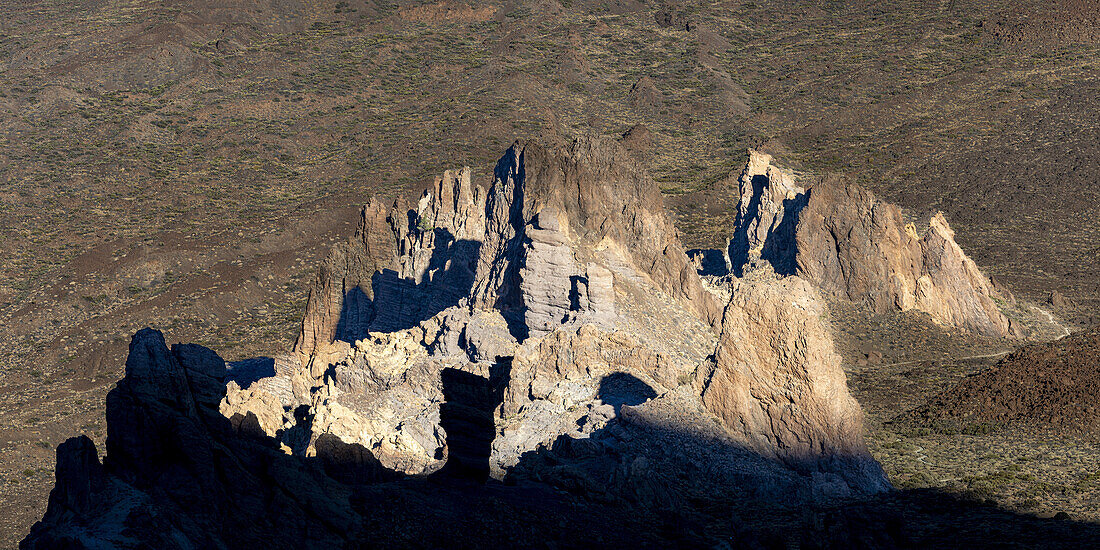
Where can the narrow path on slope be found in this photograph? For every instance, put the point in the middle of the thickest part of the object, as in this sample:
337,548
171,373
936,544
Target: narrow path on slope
1051,320
983,356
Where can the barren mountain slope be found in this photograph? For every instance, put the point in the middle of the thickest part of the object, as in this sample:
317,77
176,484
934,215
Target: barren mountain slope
158,152
1047,387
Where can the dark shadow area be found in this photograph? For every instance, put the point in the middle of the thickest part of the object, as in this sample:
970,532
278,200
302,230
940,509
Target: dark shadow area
247,371
509,300
466,415
781,246
621,388
739,245
666,478
400,303
576,283
710,261
355,316
182,475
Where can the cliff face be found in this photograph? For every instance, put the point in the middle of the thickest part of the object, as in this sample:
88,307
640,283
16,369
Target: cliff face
507,249
343,291
549,330
776,381
853,246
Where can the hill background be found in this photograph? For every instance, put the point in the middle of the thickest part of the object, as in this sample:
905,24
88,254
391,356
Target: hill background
186,164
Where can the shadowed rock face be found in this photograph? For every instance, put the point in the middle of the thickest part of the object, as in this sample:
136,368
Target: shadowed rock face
342,291
180,475
853,246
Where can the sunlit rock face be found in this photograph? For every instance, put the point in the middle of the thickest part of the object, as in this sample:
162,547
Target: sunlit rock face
854,246
777,384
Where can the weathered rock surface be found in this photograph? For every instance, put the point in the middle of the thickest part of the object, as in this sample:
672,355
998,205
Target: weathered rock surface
340,300
178,475
856,247
776,381
546,331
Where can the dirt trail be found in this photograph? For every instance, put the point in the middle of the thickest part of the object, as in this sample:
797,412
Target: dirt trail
965,358
1052,321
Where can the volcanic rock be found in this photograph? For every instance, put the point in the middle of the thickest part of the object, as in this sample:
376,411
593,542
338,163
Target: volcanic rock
854,246
776,380
1047,386
543,332
340,300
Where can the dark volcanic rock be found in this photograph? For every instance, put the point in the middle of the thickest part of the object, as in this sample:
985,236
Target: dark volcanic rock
1048,386
177,475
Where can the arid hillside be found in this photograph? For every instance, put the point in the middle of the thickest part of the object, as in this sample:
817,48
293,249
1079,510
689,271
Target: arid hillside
187,164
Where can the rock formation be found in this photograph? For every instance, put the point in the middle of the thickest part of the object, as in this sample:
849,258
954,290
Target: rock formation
176,473
549,330
343,292
853,246
776,381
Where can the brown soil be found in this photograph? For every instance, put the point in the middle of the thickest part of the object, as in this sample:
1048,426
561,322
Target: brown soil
1051,22
1053,386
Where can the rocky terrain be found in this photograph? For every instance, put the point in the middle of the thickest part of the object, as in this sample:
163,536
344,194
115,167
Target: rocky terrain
1049,386
855,247
188,165
547,332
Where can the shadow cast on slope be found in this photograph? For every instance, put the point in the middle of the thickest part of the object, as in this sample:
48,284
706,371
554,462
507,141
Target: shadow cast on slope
177,474
709,261
247,371
401,303
466,415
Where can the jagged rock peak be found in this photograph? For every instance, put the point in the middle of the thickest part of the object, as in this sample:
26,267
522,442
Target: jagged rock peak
340,297
769,205
603,198
854,246
535,246
548,329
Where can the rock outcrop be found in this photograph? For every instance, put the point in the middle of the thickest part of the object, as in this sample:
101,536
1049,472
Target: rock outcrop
178,474
547,331
854,246
340,300
776,380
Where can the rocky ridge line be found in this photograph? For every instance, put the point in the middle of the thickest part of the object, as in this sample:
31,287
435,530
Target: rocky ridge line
550,330
854,246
